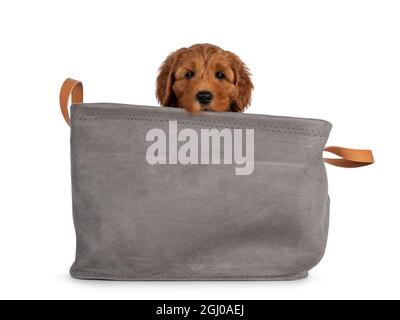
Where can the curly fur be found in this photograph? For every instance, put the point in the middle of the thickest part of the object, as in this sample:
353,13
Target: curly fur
204,61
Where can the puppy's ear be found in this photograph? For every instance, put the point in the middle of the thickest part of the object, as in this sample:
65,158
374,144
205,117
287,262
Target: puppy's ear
165,80
242,82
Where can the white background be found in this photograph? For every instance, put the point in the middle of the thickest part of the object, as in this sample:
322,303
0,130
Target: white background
335,60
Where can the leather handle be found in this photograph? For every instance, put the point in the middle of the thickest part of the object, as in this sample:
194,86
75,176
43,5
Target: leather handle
349,158
70,88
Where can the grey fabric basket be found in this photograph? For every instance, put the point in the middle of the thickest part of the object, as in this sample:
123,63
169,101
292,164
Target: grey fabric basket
140,220
137,221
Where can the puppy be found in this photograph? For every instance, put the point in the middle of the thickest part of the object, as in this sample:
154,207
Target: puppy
204,77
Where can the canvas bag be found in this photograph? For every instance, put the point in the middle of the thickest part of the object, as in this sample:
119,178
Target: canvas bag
139,219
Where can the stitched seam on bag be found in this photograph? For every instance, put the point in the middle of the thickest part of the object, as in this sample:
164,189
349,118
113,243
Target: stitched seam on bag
95,273
299,131
295,131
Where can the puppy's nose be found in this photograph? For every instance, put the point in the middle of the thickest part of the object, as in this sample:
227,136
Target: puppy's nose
204,97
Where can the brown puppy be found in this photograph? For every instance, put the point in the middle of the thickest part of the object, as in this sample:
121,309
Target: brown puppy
204,77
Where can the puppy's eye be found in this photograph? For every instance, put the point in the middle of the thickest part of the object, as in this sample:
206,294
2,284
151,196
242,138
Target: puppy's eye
220,75
189,75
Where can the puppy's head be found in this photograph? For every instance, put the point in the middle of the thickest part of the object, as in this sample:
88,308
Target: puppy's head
204,77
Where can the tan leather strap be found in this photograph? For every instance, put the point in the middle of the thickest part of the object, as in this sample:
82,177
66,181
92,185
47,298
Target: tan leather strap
349,158
70,88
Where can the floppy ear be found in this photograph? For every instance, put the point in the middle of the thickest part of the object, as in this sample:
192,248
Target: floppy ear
242,82
164,92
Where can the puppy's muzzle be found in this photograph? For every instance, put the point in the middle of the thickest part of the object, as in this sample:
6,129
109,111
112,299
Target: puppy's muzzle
204,97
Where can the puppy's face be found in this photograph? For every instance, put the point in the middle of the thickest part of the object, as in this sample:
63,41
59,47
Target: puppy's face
204,77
